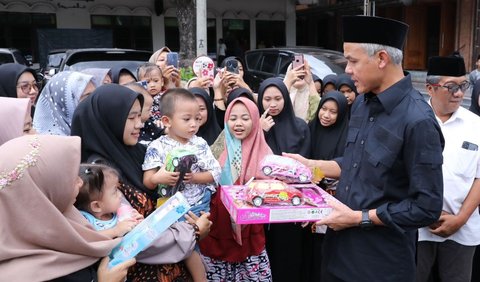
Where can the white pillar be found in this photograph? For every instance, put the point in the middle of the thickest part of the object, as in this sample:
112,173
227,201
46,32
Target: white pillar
290,23
158,32
201,27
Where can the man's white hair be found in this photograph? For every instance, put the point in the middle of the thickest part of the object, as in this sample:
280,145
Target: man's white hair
395,54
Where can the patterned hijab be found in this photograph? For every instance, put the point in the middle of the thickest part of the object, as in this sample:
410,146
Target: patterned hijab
98,74
12,117
210,129
241,159
57,102
43,235
9,75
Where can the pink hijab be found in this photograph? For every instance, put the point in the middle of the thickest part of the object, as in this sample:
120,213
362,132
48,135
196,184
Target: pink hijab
254,148
43,235
12,117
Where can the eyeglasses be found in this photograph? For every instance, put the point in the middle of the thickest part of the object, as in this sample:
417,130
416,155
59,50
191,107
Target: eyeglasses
453,88
27,87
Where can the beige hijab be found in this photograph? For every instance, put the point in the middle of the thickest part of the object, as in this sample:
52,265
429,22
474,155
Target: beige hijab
153,59
12,117
43,236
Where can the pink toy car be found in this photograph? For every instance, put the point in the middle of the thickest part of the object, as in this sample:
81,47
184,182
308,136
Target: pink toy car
261,192
286,169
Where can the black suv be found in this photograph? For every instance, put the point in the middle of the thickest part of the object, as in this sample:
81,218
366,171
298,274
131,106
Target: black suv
273,62
79,59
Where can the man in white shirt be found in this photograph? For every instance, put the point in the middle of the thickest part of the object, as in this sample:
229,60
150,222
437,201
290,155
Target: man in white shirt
452,240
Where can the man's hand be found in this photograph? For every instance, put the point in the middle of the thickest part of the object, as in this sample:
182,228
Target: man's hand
446,225
299,158
341,217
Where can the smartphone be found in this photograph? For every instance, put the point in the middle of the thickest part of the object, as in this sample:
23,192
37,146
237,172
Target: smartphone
232,66
297,60
172,59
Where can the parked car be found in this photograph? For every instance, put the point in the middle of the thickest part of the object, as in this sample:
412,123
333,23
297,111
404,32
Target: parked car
11,55
273,62
54,60
79,59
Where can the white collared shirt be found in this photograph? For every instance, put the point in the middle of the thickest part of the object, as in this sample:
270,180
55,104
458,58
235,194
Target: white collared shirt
460,168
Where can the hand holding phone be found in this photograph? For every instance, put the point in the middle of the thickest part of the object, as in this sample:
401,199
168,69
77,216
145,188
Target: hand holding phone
172,59
232,66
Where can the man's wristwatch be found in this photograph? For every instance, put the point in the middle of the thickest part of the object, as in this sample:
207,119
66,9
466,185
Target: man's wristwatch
366,222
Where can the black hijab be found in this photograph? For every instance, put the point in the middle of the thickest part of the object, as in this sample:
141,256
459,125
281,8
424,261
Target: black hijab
100,121
329,79
210,129
345,79
9,75
239,92
116,71
290,134
329,142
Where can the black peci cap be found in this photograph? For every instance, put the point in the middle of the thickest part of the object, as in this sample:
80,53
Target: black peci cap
377,30
446,66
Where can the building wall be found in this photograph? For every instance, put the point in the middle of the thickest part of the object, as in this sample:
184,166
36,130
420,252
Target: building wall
76,13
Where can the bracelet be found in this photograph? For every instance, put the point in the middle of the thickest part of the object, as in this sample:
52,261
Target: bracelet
197,231
219,99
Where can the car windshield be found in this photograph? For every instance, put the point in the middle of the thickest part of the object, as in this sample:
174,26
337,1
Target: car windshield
54,60
6,58
322,65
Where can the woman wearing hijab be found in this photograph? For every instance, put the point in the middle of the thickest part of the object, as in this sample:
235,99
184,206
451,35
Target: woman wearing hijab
347,87
288,133
329,83
122,76
108,121
171,75
284,133
219,145
226,259
15,119
209,128
303,93
44,237
328,134
58,101
19,81
100,76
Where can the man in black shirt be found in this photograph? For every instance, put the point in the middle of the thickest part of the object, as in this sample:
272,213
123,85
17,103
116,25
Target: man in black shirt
391,171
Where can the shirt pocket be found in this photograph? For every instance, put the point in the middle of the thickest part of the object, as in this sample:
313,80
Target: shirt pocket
465,163
352,135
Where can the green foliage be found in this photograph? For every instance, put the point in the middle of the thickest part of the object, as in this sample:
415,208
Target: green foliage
186,73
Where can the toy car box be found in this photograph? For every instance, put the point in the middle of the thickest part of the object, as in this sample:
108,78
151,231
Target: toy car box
313,206
149,229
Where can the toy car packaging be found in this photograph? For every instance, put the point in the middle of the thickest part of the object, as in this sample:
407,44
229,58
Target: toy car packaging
178,160
285,169
260,192
149,230
272,201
